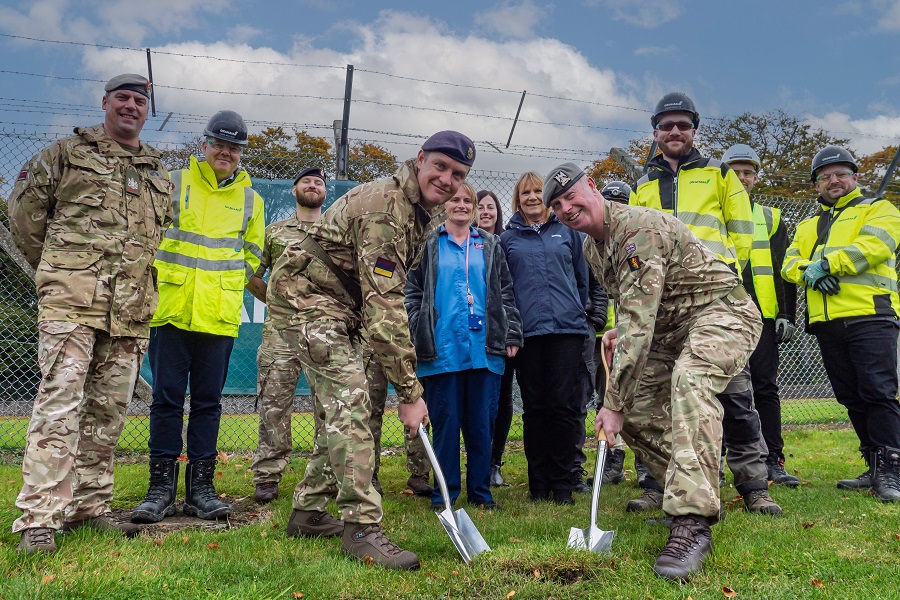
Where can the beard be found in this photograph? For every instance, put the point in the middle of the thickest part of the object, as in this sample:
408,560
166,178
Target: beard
685,149
310,199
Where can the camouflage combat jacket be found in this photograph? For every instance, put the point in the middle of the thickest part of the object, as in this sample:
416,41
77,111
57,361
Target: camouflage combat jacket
278,235
661,276
375,233
88,215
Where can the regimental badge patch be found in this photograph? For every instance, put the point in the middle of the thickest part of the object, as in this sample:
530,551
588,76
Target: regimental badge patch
384,267
634,263
630,248
132,181
22,175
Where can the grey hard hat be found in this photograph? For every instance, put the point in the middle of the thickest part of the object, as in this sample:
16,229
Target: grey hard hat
617,191
830,155
228,126
675,102
742,153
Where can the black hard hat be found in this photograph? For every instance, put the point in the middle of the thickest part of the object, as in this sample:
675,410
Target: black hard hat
675,102
830,155
617,191
228,126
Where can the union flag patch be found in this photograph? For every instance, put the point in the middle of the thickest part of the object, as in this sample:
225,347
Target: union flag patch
384,267
22,175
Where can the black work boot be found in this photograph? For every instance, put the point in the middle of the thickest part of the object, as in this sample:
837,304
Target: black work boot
314,523
641,470
864,481
650,499
368,543
777,474
266,492
887,474
419,486
614,469
685,552
496,477
578,484
200,498
159,502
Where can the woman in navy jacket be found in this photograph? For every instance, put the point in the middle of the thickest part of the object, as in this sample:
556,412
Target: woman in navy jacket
550,281
464,323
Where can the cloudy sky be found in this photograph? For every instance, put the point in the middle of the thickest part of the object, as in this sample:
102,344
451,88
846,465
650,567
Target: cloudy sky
592,68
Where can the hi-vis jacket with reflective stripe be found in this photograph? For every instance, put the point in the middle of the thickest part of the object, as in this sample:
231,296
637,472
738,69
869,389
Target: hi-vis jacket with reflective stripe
858,237
774,297
705,195
210,252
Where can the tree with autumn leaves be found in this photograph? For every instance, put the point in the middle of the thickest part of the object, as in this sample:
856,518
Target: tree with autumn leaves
785,144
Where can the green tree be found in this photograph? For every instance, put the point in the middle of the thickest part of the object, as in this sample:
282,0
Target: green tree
872,169
367,162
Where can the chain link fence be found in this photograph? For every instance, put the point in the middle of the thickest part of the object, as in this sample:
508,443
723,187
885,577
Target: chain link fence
806,393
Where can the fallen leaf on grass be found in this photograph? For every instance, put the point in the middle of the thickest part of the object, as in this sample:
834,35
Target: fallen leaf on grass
222,495
809,525
510,594
223,458
817,583
212,546
407,492
158,542
184,540
537,574
182,457
262,534
47,579
432,575
298,594
515,540
369,560
729,593
219,475
165,585
455,572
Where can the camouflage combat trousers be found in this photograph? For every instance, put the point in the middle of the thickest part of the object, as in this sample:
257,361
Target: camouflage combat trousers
675,423
416,459
344,451
87,382
279,370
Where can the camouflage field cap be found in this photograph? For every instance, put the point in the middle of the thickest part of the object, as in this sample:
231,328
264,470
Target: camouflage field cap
452,143
559,180
129,81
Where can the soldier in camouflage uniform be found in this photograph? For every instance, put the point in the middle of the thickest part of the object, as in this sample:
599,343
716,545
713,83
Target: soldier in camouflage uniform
687,327
278,363
88,213
348,273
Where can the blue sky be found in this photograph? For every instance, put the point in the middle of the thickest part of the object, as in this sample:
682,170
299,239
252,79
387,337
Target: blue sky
835,64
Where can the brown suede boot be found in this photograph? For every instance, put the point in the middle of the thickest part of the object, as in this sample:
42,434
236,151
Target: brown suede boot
685,552
368,543
104,522
314,523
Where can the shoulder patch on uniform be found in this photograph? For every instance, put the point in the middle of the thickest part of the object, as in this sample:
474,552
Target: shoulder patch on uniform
630,248
634,263
384,267
22,175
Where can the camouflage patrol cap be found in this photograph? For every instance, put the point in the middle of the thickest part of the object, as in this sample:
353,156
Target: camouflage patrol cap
452,143
315,171
559,180
129,81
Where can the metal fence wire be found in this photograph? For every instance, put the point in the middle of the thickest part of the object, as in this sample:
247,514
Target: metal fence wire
806,393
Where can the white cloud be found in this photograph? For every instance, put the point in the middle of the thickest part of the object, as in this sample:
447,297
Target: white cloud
415,47
655,50
866,135
511,20
890,19
647,13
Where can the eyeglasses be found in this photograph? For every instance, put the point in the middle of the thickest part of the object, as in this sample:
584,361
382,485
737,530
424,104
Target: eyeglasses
220,147
840,175
744,172
670,125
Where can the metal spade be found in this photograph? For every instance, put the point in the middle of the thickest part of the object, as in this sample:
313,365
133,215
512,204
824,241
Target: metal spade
459,526
593,538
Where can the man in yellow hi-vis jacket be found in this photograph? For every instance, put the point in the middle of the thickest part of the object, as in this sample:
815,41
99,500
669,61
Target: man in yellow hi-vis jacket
205,260
844,257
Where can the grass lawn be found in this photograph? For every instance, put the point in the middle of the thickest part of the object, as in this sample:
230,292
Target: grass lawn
829,544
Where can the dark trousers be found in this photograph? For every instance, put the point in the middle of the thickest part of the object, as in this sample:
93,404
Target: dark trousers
466,401
861,361
764,375
178,357
504,414
742,435
549,370
589,373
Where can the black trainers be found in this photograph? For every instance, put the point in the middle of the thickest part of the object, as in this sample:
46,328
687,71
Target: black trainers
685,552
314,523
864,480
887,474
777,474
368,543
614,469
37,539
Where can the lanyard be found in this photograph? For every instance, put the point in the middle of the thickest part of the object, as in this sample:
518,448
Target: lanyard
469,298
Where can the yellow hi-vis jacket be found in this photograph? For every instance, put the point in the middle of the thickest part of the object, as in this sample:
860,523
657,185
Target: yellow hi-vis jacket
705,195
210,252
765,222
858,237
